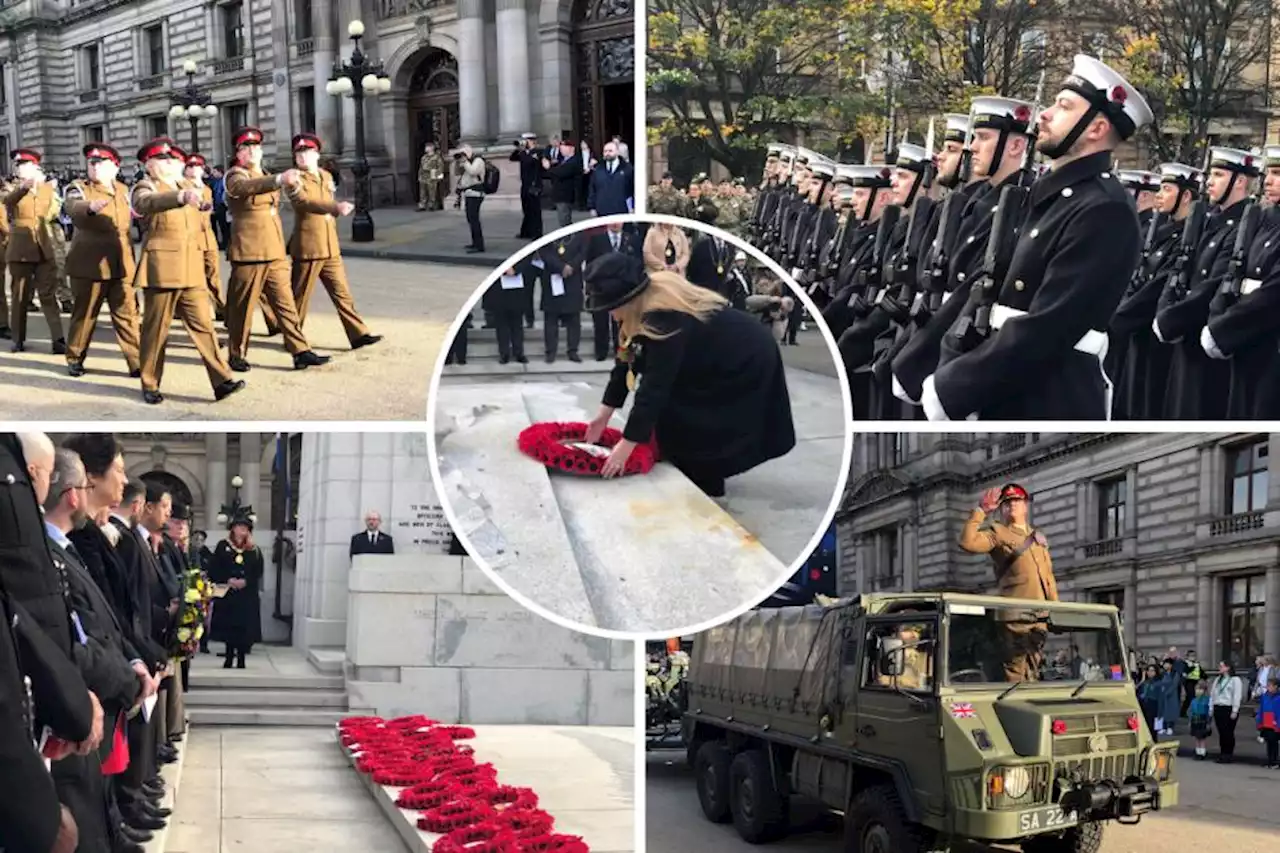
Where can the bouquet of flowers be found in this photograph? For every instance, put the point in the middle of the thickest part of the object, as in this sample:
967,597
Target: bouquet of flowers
197,592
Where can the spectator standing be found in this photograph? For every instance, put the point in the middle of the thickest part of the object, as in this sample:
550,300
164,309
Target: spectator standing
1201,720
221,225
1150,693
1268,719
469,168
566,175
1169,704
611,189
1266,670
1190,680
1226,694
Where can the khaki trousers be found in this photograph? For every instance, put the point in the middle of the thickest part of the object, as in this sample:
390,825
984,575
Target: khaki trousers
213,278
251,282
87,299
191,305
332,272
28,279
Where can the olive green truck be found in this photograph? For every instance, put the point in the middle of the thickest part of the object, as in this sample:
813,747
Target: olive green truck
906,713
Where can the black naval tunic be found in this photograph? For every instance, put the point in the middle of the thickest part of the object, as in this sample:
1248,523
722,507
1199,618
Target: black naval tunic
856,342
1248,331
1141,365
1197,385
1076,252
564,309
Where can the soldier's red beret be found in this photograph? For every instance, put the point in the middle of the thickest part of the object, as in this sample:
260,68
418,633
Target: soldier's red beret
1014,492
306,142
248,136
25,155
196,160
161,146
101,151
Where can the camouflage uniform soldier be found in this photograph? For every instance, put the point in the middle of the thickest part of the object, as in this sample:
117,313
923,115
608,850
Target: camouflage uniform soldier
664,198
430,174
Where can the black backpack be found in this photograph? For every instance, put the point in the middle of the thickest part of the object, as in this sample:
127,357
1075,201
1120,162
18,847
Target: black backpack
491,177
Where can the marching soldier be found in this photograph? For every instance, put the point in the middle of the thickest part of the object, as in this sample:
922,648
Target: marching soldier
100,259
314,245
31,204
430,174
1040,348
171,270
259,264
5,332
194,174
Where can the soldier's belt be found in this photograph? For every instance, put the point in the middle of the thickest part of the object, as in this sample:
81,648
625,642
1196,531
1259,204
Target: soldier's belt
1249,285
1092,342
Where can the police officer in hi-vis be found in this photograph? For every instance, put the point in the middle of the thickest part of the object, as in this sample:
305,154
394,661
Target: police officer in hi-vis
259,264
171,270
194,175
30,202
314,244
100,259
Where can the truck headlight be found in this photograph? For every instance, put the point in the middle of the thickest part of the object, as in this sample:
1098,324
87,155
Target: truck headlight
1016,782
1162,765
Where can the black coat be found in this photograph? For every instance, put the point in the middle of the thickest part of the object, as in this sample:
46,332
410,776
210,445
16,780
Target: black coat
565,177
237,619
113,573
598,244
498,299
555,256
382,544
530,170
714,394
607,193
1075,255
709,264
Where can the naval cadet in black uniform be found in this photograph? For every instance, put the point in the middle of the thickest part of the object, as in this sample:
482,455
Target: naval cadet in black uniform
526,153
561,275
1143,187
1075,253
1197,384
871,195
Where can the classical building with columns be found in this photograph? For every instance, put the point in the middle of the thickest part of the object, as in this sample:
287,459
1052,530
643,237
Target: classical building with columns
475,71
1180,531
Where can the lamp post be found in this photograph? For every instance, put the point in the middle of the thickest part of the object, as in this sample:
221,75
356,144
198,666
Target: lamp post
236,509
357,77
192,104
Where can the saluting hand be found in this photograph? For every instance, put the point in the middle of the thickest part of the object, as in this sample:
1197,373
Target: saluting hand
345,208
97,205
289,178
990,500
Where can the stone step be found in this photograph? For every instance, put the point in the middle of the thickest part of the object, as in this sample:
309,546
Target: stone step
224,697
537,366
328,659
240,680
271,716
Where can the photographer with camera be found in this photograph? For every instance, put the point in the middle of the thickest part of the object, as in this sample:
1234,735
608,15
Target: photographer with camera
469,169
530,160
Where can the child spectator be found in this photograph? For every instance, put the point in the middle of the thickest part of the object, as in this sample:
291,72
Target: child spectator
1201,721
1268,718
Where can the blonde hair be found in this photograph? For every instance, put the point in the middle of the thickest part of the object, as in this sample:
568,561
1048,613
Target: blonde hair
655,248
667,291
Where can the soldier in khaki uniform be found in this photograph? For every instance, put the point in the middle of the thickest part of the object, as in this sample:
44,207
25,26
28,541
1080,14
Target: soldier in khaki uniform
194,175
313,245
171,270
5,332
100,259
430,174
259,265
1023,568
31,203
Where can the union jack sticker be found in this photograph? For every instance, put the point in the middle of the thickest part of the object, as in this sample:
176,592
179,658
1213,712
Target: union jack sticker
963,711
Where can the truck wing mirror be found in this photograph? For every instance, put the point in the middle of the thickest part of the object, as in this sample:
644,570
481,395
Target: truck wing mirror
891,657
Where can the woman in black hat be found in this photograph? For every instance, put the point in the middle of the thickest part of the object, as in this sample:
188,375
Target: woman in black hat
709,382
238,563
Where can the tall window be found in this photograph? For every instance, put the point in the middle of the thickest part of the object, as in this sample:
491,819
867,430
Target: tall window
302,19
158,126
1247,477
1114,597
307,108
1244,600
153,37
1112,497
94,133
233,29
92,70
888,573
899,448
237,117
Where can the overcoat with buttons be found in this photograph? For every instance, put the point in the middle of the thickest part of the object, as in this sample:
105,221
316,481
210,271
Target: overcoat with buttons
1197,385
253,199
1141,366
101,248
207,240
838,314
555,256
171,257
1076,252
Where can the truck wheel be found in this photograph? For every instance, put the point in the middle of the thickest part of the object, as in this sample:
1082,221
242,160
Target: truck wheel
875,823
1085,838
711,768
759,809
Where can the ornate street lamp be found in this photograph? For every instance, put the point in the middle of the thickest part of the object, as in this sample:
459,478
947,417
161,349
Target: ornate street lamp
237,509
192,104
357,78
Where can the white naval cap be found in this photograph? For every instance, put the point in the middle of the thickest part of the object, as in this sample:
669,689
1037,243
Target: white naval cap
957,127
823,167
776,149
804,156
914,157
1271,156
787,152
528,136
867,176
1234,160
1187,177
1138,180
1109,93
1001,113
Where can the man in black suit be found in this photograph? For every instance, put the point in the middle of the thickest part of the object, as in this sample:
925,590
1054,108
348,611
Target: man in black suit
527,155
612,186
566,175
613,238
709,264
166,594
372,540
561,295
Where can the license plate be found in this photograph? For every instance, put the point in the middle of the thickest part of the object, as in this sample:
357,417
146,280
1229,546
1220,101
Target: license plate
1041,820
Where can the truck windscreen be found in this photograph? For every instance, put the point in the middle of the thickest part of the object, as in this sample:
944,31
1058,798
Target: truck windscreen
989,646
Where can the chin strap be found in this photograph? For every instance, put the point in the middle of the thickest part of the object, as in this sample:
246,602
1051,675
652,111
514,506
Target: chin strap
1069,140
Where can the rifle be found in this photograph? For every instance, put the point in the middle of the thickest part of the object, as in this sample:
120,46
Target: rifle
1148,245
904,272
1185,263
939,260
871,276
1238,265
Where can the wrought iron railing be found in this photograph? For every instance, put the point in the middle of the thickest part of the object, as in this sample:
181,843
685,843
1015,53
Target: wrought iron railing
1238,523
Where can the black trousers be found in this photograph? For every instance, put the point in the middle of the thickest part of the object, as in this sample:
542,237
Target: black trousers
794,319
531,208
186,674
710,482
510,326
1188,693
473,219
221,225
1226,726
141,736
79,783
458,349
1272,739
572,322
606,335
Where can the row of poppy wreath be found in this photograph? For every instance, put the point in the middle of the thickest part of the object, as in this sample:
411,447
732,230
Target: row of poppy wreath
545,442
459,798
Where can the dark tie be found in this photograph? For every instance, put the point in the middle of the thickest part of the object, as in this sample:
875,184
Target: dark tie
71,551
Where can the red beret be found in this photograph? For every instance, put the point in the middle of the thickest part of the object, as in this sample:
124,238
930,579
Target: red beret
25,155
1014,492
196,160
248,136
306,142
101,151
161,146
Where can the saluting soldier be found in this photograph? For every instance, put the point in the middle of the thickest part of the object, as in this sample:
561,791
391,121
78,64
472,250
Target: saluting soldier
194,174
100,259
259,264
698,204
430,174
32,204
562,299
171,270
1075,254
314,245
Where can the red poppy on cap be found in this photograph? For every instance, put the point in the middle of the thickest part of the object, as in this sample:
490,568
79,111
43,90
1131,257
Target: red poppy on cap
306,142
101,151
1248,161
1022,113
25,155
1118,95
884,173
248,136
1014,492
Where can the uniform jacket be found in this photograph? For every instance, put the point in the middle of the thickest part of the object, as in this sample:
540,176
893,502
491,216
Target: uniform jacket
1255,319
382,544
30,212
315,228
565,176
430,167
171,257
1030,575
253,199
555,256
4,219
102,247
1075,256
530,161
207,240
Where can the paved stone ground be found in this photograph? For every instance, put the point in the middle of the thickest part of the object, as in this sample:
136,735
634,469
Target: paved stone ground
412,304
1226,808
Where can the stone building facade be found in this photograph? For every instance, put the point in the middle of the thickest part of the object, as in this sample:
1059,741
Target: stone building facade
479,71
1180,531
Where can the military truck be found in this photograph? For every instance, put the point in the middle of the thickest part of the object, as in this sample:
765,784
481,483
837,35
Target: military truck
897,712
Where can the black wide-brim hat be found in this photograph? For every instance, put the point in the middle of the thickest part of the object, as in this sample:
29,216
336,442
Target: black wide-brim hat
613,280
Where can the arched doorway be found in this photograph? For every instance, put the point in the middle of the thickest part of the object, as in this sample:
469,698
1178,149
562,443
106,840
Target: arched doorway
433,110
178,491
604,68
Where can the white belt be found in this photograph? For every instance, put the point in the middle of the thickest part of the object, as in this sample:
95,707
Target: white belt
1092,342
1249,285
946,296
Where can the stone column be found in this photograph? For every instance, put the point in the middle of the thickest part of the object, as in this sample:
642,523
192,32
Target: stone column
1130,614
282,82
325,40
473,101
514,96
1206,649
251,471
215,494
1271,620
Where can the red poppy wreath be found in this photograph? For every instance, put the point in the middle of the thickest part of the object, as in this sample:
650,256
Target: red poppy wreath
552,445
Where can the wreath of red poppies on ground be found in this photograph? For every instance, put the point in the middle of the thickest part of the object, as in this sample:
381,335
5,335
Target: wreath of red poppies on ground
459,799
547,443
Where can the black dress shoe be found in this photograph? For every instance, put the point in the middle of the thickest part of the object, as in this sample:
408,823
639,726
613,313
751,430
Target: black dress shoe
60,346
365,340
551,359
75,368
135,373
226,389
522,359
504,359
157,811
238,364
139,820
574,357
462,361
152,398
18,348
309,358
176,738
134,836
472,250
66,307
